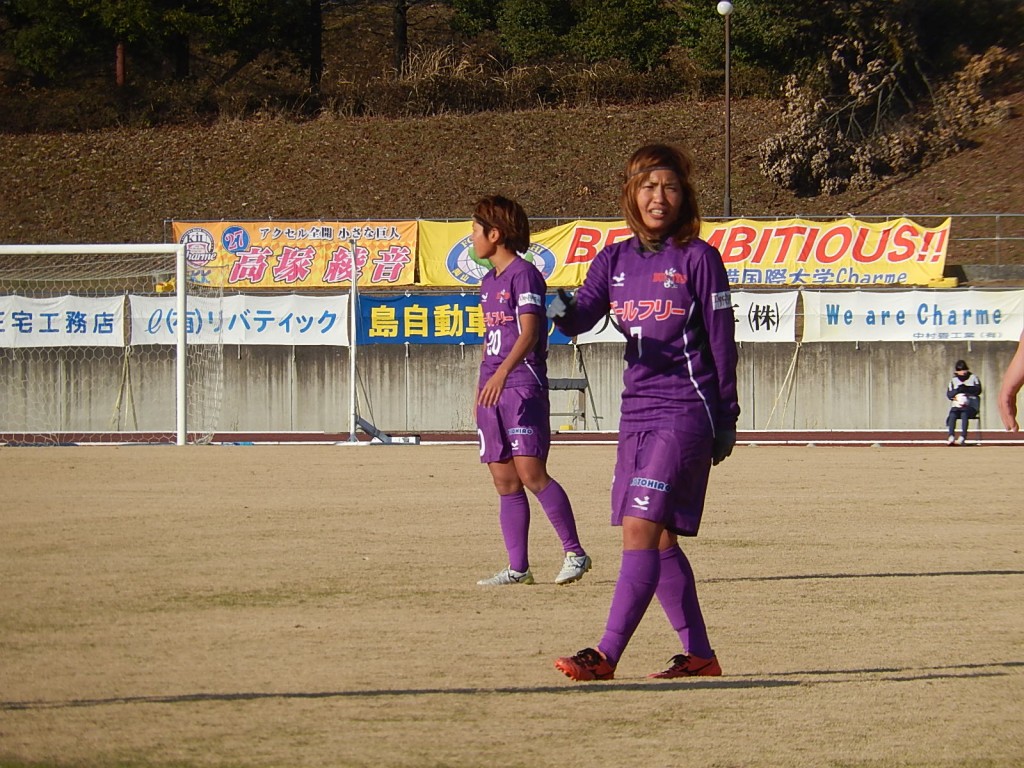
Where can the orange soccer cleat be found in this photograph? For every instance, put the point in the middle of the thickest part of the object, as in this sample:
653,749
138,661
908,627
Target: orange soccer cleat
588,664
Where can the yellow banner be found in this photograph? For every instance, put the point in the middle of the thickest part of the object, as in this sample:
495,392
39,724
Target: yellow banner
561,253
298,254
842,252
787,252
317,254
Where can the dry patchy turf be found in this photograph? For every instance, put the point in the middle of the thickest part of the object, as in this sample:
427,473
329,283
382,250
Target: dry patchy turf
317,606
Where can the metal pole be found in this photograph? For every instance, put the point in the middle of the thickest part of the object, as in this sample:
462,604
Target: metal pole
728,122
353,309
725,9
181,341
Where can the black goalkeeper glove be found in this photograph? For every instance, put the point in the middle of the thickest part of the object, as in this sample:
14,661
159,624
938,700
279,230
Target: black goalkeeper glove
562,305
725,439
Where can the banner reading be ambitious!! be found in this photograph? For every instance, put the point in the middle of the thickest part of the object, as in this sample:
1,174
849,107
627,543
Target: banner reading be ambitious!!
843,252
790,252
298,254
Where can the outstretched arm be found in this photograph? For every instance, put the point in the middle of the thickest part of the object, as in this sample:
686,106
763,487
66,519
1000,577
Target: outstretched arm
1013,380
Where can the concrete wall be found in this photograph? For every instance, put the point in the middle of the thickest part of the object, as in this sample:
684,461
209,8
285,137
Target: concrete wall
429,388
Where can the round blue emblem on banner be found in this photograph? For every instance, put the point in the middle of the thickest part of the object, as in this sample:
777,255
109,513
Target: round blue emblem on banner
235,239
464,266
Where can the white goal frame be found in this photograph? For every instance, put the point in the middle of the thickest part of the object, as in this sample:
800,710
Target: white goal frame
181,303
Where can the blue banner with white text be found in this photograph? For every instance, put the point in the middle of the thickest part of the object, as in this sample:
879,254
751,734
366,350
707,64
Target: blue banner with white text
453,318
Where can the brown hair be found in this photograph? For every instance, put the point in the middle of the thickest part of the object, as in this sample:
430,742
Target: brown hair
506,216
639,167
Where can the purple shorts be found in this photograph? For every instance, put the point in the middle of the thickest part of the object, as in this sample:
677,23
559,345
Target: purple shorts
519,425
661,475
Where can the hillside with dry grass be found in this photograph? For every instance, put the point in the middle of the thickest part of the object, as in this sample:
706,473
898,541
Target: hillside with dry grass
122,185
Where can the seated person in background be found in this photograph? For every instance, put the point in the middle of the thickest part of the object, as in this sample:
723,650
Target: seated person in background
963,393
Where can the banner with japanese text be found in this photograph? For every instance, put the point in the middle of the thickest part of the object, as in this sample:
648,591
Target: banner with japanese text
427,319
956,315
797,252
760,317
61,321
790,252
298,254
290,319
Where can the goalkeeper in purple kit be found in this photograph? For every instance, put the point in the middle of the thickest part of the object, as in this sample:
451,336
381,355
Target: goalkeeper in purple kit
512,406
669,294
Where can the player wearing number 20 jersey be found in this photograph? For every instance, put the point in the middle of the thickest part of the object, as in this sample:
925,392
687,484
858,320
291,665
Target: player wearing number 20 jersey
512,411
518,290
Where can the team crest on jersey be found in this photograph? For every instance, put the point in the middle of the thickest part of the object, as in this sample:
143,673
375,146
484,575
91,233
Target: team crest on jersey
503,295
669,278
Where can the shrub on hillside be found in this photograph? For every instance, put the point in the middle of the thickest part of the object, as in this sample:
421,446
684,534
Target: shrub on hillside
853,141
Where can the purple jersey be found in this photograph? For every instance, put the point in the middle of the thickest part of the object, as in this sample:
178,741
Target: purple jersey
675,310
517,291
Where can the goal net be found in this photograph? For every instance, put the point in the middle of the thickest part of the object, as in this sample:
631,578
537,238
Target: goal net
93,348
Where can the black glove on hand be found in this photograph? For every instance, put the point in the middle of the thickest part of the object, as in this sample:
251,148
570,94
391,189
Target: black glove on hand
725,439
562,305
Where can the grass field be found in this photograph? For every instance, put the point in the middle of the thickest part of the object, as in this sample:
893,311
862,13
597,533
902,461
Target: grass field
317,606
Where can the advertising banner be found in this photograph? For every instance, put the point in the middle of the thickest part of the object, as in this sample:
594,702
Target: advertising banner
913,315
760,317
298,254
845,252
427,319
790,252
62,321
274,320
561,253
764,317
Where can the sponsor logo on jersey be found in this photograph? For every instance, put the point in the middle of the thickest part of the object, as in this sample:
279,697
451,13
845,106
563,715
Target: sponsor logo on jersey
619,280
530,298
647,482
721,300
520,431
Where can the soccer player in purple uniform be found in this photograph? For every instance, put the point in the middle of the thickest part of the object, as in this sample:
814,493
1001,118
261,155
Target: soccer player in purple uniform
669,294
512,406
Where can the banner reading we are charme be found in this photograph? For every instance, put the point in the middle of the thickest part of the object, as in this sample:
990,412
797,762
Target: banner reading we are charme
298,254
794,252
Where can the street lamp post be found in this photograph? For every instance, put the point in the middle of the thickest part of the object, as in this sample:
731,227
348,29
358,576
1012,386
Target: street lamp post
725,9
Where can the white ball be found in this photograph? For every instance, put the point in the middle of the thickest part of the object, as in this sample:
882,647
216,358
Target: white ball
961,399
725,8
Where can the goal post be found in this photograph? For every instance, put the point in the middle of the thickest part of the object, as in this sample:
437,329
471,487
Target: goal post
95,345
